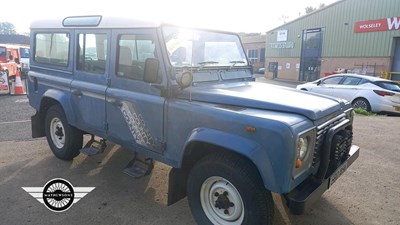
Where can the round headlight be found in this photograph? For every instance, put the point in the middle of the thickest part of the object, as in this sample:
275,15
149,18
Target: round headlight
302,148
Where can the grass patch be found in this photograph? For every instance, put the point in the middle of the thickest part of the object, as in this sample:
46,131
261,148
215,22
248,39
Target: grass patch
364,112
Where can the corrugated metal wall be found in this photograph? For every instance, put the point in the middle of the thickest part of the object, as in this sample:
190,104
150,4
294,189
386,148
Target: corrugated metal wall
338,21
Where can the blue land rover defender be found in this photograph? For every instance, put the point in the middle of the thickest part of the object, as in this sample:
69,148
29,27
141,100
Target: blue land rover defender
186,98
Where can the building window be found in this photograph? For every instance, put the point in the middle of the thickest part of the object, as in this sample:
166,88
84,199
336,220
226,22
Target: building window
262,55
52,48
252,54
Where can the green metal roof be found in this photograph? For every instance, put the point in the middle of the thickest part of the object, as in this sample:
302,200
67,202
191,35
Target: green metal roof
338,21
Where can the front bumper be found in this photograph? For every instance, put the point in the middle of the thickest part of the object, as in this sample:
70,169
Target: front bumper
311,189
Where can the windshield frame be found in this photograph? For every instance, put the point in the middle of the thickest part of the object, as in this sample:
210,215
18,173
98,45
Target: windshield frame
201,48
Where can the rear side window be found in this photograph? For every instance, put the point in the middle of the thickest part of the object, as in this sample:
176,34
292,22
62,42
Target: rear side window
92,53
133,50
392,86
52,48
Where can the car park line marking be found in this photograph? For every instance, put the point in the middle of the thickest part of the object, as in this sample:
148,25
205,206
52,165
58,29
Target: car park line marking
21,100
10,122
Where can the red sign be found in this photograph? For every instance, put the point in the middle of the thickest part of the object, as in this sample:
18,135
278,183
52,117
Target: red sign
377,25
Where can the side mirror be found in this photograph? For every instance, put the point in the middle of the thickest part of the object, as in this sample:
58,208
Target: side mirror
319,82
151,67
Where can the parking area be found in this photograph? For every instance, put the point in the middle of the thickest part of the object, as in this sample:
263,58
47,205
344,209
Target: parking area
368,193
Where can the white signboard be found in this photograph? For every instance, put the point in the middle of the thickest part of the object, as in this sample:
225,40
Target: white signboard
288,44
4,88
281,35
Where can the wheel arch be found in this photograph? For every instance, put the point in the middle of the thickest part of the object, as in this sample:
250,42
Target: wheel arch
50,98
203,142
361,97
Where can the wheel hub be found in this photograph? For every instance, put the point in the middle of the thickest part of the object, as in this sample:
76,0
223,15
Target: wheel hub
221,201
59,132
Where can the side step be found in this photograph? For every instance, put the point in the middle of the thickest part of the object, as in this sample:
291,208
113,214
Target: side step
139,166
94,147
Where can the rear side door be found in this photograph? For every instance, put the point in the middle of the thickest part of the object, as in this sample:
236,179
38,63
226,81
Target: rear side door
135,109
90,80
348,88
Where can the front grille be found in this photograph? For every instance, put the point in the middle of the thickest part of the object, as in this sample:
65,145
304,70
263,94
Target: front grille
321,133
339,147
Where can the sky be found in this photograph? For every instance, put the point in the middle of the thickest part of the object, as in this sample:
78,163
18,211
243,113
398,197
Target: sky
250,16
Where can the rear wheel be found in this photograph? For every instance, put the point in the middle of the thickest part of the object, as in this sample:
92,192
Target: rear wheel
362,103
64,140
227,189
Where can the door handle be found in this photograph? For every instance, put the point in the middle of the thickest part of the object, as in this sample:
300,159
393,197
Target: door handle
115,102
77,93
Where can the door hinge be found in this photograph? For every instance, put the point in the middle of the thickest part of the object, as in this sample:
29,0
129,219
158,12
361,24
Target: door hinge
108,82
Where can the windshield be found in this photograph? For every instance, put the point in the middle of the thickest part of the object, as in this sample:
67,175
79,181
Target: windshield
197,48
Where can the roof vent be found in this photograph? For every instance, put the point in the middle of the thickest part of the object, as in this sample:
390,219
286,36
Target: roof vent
82,21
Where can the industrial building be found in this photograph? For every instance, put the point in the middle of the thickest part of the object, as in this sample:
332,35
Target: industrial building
361,36
254,45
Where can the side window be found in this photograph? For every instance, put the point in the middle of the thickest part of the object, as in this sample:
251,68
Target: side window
52,48
332,80
2,52
351,81
363,81
132,52
92,53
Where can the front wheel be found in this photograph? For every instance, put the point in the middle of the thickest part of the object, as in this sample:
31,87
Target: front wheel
64,140
227,189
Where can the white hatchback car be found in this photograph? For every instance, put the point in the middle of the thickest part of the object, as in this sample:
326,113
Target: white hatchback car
370,93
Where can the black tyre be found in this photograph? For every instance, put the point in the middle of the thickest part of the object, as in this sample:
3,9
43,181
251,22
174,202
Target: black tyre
64,140
362,103
227,189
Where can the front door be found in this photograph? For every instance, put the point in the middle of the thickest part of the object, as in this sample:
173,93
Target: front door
396,61
90,80
135,109
273,68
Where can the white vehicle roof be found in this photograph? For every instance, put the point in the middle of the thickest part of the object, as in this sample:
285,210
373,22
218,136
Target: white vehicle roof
94,21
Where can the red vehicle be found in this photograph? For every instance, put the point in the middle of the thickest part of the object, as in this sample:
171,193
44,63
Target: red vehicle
9,60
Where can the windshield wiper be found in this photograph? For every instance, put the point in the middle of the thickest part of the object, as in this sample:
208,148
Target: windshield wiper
207,62
236,62
203,64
